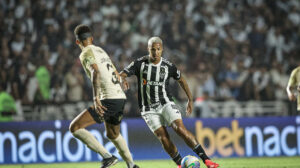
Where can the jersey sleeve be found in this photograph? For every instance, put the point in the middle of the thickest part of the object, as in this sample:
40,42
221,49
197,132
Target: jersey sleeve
292,80
89,59
131,69
174,72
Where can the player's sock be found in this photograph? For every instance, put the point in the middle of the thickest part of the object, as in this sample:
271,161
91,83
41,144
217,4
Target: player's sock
123,150
200,152
177,158
87,138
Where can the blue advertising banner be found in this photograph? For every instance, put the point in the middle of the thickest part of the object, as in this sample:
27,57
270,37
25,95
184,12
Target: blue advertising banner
50,141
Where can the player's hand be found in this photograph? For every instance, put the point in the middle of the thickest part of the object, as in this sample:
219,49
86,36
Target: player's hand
292,97
98,106
125,85
189,108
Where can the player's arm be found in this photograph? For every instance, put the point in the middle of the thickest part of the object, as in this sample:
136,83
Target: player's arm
131,69
117,74
123,80
289,90
182,82
95,77
291,86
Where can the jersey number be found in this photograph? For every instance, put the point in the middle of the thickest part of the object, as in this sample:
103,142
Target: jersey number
114,75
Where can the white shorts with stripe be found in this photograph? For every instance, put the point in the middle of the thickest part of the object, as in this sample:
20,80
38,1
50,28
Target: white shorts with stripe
161,116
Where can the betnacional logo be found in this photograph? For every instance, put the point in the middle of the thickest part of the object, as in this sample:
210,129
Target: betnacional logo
255,140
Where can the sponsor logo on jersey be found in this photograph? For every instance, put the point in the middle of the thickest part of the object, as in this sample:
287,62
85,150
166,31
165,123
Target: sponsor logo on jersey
152,83
144,81
155,83
105,60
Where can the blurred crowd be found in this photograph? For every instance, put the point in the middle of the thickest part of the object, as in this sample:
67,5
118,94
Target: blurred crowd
228,49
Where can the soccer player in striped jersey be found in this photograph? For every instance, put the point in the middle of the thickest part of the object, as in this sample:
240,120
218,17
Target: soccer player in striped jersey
108,97
157,107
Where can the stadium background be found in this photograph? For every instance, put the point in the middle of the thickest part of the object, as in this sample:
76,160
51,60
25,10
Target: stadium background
236,56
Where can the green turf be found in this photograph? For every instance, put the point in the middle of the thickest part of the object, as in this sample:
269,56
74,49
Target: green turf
274,162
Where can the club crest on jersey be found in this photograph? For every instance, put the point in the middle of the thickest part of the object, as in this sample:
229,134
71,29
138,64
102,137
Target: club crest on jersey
162,73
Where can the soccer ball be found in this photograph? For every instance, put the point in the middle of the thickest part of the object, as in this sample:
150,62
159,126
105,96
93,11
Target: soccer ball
190,162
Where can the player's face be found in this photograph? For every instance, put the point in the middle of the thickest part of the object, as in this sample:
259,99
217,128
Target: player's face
155,52
84,43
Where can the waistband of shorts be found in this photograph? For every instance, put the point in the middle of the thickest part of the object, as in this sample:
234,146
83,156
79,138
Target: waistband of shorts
148,110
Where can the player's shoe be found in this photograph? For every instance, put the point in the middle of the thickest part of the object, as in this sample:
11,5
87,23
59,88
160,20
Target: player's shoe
211,164
178,166
136,166
109,162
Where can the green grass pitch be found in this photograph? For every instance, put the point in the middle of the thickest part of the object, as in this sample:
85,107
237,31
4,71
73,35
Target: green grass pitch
264,162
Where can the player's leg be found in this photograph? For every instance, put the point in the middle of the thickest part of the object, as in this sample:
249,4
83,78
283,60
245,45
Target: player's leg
113,134
188,138
155,122
164,138
77,128
113,116
173,117
191,141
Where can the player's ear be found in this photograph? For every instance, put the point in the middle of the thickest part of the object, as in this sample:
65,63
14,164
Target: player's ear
77,42
148,48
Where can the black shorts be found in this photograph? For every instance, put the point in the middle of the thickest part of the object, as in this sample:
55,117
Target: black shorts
113,114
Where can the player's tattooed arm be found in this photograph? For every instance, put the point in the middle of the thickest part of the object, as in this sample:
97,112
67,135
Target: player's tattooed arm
182,82
291,95
291,86
118,76
95,76
125,84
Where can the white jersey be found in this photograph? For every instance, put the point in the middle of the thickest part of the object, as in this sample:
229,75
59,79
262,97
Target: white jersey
109,86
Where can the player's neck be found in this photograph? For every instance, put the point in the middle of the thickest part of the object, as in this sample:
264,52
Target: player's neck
155,62
85,44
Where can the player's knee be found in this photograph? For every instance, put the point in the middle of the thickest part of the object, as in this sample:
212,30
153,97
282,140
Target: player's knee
163,138
166,144
73,127
111,135
181,131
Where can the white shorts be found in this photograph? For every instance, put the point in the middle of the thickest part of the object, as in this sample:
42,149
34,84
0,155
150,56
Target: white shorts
161,116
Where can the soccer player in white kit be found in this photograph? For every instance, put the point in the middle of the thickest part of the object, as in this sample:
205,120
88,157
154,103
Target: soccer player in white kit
108,97
294,84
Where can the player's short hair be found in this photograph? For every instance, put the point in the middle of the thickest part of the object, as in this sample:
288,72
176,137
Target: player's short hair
82,32
154,40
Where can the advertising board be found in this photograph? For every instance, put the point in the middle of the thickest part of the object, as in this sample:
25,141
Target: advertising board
51,141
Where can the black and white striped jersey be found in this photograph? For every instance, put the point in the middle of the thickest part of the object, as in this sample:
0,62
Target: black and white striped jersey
153,81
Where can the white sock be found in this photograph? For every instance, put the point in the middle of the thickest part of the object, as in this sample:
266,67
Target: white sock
87,138
123,150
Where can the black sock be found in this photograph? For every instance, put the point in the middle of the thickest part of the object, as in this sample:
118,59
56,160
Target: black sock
177,158
200,152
